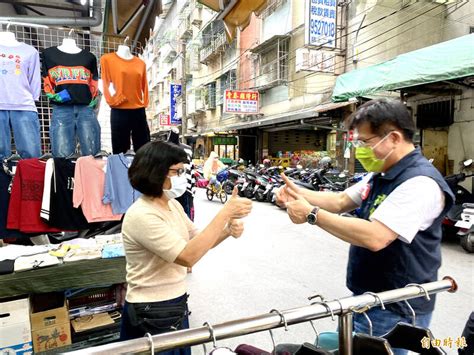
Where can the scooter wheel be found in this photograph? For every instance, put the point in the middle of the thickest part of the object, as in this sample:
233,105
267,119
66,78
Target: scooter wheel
228,187
467,242
223,196
209,194
249,193
259,196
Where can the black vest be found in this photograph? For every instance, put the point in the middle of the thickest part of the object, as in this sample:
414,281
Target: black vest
400,263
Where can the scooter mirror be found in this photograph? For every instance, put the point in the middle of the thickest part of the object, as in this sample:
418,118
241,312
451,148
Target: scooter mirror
467,163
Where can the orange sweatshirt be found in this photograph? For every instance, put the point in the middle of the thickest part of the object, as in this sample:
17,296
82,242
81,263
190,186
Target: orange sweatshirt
128,78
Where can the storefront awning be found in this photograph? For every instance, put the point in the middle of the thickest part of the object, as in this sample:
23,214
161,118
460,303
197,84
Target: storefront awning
236,14
443,61
333,105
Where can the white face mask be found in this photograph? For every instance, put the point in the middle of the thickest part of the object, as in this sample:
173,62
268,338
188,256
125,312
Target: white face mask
178,186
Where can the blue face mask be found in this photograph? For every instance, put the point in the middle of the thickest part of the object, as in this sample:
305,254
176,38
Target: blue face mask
178,186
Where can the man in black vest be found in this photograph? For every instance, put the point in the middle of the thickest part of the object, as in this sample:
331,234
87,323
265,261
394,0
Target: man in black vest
397,238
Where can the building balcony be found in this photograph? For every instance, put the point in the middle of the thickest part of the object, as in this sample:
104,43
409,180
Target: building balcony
185,31
271,75
216,46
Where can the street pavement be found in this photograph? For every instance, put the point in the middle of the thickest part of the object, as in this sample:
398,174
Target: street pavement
278,265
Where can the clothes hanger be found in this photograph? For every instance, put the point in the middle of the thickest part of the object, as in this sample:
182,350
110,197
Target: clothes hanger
363,344
14,157
332,337
73,156
285,323
216,350
409,336
46,156
152,345
129,153
310,349
101,154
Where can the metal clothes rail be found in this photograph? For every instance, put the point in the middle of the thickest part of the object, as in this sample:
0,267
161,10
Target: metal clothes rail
342,308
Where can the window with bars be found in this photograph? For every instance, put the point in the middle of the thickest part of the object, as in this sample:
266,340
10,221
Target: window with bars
41,38
272,6
211,96
272,68
228,81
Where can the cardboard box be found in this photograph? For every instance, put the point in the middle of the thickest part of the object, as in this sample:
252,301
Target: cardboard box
50,328
15,327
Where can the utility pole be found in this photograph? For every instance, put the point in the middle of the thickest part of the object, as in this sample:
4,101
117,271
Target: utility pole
184,119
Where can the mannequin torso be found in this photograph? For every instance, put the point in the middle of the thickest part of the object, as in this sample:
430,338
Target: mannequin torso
124,52
8,39
69,46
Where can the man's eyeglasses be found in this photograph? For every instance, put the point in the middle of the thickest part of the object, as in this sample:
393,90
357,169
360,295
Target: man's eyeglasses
358,143
179,171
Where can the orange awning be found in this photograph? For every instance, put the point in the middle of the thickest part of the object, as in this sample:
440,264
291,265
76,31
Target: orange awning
236,14
212,4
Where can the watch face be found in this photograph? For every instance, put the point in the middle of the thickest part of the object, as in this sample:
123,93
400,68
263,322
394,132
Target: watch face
311,218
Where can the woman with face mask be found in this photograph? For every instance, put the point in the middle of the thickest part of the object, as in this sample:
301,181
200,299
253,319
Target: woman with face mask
161,241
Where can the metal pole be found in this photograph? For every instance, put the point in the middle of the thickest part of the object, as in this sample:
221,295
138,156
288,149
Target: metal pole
184,118
114,15
266,321
345,334
144,19
93,21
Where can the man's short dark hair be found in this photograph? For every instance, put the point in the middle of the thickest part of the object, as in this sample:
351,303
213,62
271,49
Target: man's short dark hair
384,115
151,164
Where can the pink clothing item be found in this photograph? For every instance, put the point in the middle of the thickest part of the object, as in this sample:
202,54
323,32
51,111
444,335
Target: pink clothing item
89,182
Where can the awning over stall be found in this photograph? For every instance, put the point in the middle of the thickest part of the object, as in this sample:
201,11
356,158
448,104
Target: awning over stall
443,61
236,14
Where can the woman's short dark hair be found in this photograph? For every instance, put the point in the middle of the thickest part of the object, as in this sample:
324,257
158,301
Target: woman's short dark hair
151,164
384,115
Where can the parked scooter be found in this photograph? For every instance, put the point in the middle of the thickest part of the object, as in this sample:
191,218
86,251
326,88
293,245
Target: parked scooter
466,227
463,197
266,182
232,174
246,189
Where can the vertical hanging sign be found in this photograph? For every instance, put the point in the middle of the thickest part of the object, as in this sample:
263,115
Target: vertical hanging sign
320,27
175,91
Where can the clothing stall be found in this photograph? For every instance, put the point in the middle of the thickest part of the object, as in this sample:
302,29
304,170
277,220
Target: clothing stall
343,308
60,188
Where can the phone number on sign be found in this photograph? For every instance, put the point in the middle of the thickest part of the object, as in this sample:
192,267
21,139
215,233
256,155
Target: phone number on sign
322,28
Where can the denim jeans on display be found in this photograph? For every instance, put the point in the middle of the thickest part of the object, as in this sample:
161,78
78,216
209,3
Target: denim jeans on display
69,122
384,320
26,132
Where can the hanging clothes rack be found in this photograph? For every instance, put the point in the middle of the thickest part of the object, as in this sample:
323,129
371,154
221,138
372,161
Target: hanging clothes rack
342,308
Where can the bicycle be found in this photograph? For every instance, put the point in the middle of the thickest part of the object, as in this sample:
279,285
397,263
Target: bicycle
216,189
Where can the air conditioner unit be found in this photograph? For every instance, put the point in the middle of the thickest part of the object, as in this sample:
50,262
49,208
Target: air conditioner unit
200,105
263,80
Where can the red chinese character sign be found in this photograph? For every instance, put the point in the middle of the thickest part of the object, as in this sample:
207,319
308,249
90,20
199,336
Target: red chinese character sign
245,102
164,119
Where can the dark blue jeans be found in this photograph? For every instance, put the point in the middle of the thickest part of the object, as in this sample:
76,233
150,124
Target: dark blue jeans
132,325
26,131
69,122
384,320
